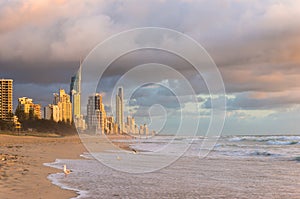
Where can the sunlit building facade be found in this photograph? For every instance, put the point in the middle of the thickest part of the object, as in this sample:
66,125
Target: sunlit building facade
6,99
65,106
26,105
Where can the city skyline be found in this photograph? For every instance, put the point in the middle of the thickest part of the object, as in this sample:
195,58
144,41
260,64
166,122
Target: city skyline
254,45
95,120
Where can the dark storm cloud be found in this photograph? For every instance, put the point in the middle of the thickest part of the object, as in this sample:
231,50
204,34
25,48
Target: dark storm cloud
39,72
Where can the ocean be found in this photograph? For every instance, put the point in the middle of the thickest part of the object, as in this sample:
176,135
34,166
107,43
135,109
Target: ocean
168,167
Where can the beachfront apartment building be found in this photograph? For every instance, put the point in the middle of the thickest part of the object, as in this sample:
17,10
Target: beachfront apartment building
26,105
61,109
65,107
6,99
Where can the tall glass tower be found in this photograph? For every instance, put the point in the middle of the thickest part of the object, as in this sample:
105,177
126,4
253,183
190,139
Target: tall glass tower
75,92
120,109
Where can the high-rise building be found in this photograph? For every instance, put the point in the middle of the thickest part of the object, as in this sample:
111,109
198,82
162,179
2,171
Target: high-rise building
92,106
55,113
75,93
109,125
26,105
80,123
64,106
146,130
136,129
141,130
6,99
130,125
120,109
102,118
96,114
55,98
48,112
37,111
51,112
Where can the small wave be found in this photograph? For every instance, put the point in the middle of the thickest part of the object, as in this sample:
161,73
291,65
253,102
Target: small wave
287,139
236,139
261,153
246,153
297,159
276,142
56,177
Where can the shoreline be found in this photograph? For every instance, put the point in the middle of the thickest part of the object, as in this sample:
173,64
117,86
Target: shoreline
22,159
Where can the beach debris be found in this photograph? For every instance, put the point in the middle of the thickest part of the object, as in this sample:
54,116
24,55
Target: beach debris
134,151
25,171
118,158
66,171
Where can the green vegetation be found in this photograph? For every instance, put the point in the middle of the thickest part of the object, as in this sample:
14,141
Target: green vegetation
34,126
25,116
6,125
39,126
48,126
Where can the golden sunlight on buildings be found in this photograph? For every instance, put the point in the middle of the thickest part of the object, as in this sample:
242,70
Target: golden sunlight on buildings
61,109
6,99
30,109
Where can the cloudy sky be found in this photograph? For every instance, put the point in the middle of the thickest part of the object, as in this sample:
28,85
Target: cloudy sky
255,44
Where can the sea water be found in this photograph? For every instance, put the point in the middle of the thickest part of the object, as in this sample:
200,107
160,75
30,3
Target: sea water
237,167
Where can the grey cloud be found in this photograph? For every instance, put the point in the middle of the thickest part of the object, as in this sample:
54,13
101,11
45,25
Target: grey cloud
147,96
247,101
248,40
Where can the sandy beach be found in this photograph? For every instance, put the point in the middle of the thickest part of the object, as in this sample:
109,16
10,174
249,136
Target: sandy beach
22,174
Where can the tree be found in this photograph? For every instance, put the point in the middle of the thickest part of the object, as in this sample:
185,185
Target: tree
31,114
6,125
20,114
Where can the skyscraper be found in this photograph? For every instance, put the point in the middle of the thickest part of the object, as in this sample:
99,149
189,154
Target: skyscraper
6,99
75,93
51,112
120,109
96,114
65,107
